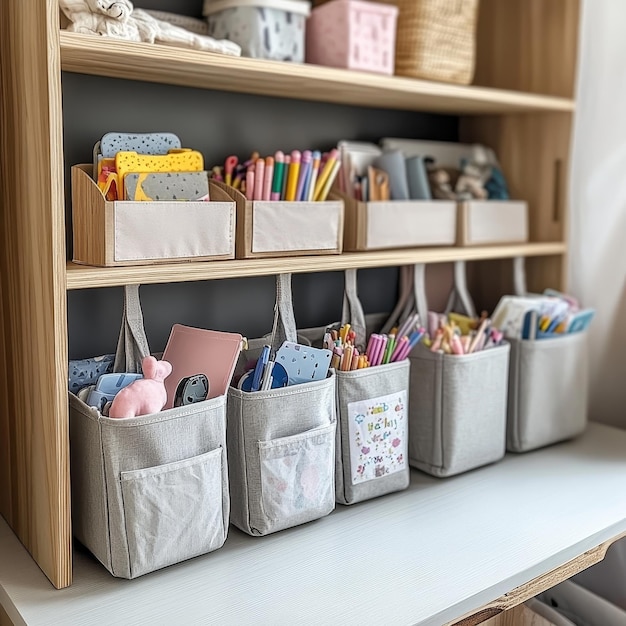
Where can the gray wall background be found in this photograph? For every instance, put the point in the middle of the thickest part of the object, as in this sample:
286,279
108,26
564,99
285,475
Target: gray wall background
218,124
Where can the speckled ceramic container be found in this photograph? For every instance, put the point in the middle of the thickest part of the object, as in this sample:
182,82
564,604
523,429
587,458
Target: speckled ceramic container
265,29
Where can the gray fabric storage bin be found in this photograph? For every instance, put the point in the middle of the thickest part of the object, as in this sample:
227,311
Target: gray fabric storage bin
368,467
281,444
372,416
547,391
265,29
457,403
457,409
281,455
148,491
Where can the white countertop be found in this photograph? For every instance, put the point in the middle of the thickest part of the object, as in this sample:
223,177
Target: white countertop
427,555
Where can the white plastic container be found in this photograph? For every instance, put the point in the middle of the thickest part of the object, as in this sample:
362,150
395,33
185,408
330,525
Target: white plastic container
265,29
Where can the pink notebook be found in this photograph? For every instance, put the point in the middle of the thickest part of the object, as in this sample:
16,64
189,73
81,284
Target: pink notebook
198,351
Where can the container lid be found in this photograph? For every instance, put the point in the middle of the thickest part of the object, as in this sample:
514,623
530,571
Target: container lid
290,6
363,5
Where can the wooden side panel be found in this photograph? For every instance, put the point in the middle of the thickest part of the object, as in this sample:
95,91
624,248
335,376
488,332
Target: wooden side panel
489,280
528,45
91,232
6,501
33,411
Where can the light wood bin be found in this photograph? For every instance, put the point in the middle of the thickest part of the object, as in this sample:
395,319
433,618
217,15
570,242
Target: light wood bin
145,233
283,229
398,224
485,222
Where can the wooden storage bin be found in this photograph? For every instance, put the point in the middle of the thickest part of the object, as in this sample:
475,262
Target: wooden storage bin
145,233
398,224
484,222
277,229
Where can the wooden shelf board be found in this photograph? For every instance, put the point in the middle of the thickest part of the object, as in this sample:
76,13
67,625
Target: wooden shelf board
86,54
87,277
477,543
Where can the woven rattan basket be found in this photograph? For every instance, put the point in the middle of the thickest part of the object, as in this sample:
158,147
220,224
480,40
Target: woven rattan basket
436,39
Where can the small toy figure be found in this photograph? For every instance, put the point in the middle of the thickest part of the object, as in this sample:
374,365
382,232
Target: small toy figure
146,395
440,185
470,184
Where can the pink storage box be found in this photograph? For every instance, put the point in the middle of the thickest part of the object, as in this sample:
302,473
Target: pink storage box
353,34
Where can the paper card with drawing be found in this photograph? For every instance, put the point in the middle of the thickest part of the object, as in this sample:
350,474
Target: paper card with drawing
378,441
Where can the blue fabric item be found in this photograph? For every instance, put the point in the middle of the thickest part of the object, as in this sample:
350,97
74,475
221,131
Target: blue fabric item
83,372
496,186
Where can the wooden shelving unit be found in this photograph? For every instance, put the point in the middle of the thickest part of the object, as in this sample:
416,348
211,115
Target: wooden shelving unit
521,105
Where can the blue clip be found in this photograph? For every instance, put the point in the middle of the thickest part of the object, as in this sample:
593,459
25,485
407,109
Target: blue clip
259,367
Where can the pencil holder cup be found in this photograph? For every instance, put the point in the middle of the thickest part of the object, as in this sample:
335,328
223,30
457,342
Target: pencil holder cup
353,34
148,491
281,444
485,222
280,228
397,223
457,409
265,29
547,391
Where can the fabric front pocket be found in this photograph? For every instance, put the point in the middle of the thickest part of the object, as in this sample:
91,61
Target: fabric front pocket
173,512
297,478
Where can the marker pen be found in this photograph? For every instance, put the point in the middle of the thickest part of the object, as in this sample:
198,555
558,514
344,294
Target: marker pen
283,193
317,159
259,179
292,176
323,177
250,183
279,172
229,167
305,172
269,174
400,346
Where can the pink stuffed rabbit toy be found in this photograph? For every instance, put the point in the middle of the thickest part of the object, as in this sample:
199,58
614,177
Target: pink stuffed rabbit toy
146,395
